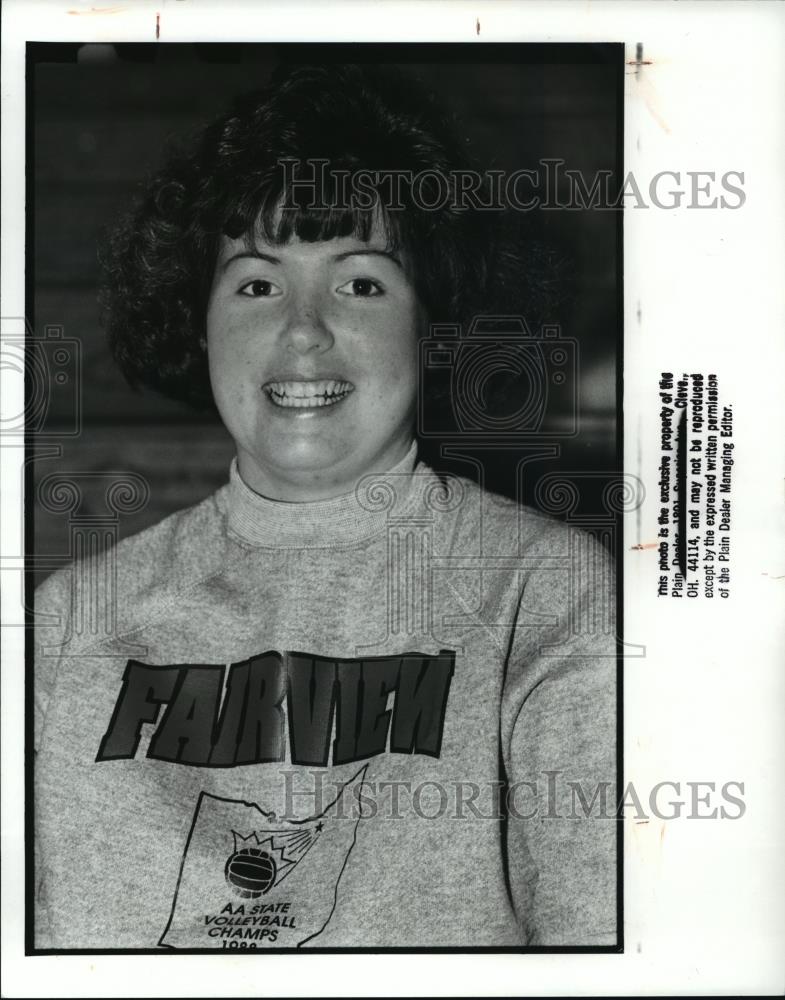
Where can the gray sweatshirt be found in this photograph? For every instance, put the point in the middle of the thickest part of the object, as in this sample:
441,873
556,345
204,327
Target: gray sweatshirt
373,721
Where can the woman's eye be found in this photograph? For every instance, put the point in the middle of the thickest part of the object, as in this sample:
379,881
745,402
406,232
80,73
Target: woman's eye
362,288
260,288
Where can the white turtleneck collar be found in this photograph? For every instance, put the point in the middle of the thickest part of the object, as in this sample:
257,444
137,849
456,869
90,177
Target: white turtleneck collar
340,520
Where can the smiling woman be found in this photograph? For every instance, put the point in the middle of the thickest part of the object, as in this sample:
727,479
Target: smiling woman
344,701
253,177
313,361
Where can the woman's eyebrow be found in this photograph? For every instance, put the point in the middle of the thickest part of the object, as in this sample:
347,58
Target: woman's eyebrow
253,254
369,252
359,252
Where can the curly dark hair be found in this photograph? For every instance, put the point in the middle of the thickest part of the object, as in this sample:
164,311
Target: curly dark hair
158,261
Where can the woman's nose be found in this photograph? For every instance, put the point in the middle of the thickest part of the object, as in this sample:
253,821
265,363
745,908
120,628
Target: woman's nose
306,328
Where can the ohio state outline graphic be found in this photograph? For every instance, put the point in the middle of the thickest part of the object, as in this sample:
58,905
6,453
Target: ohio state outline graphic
248,880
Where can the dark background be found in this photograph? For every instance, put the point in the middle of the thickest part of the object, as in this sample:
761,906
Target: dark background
99,118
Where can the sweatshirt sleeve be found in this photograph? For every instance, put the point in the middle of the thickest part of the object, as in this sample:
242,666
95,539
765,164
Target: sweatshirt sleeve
558,732
51,621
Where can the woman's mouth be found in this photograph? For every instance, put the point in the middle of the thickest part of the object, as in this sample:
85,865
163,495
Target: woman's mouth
307,393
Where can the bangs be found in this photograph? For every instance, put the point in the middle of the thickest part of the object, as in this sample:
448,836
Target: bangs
372,159
278,212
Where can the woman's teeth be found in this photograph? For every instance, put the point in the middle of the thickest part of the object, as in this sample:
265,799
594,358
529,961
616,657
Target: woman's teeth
324,392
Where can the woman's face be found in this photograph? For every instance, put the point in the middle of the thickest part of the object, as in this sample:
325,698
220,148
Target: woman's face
313,353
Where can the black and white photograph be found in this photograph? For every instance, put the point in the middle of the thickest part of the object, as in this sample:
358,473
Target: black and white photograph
391,501
327,602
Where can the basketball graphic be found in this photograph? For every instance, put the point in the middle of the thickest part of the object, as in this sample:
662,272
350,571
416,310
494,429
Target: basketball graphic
250,872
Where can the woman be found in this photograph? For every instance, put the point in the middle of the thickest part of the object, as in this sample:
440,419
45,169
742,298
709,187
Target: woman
346,702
